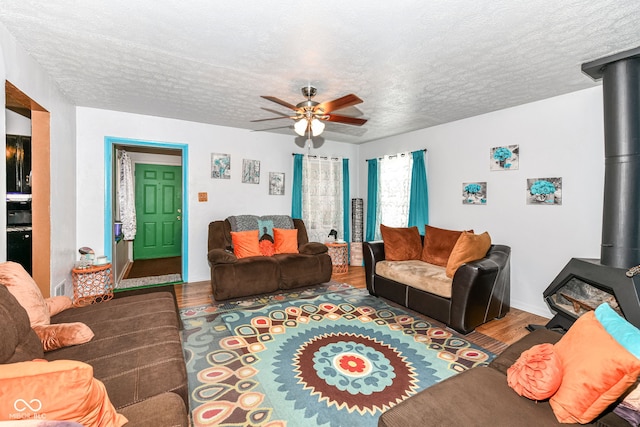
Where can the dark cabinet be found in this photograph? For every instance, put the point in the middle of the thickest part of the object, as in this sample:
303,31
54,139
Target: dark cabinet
18,164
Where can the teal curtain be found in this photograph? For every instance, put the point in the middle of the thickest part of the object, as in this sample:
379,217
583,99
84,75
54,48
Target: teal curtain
346,197
419,196
372,199
296,191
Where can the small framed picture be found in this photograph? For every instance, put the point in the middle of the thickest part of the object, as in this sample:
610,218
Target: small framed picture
276,183
474,193
220,166
505,158
544,191
250,171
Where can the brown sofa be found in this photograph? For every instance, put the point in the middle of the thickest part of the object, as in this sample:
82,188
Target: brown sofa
136,352
481,397
235,278
479,292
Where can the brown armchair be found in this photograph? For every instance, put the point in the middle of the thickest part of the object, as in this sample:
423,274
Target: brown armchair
480,289
235,278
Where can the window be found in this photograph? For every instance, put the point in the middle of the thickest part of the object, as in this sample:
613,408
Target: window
394,184
320,194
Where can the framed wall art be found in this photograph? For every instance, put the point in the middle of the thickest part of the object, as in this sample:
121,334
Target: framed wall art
505,158
474,193
250,171
220,166
276,183
544,191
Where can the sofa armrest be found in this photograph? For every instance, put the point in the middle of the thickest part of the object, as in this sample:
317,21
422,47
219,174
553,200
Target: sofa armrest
481,290
221,256
372,252
313,248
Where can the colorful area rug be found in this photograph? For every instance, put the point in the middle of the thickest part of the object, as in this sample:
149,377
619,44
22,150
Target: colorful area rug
326,356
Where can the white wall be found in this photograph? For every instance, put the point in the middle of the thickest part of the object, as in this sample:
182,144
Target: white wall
17,124
226,197
27,75
558,137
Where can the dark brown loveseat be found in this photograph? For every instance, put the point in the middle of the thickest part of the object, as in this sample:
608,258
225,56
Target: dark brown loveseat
235,278
481,397
479,292
136,352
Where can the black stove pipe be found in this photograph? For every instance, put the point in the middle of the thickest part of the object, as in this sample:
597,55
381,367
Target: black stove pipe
621,210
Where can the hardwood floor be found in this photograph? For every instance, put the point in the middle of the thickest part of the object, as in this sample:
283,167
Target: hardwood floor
509,329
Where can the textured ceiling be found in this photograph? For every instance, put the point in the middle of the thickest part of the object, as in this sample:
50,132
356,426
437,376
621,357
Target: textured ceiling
415,63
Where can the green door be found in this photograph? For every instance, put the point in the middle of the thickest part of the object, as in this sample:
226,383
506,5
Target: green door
158,211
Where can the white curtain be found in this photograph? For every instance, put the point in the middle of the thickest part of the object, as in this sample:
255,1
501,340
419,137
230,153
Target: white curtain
322,202
394,187
126,196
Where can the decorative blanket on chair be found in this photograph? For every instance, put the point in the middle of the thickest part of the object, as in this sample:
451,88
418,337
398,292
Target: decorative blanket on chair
314,359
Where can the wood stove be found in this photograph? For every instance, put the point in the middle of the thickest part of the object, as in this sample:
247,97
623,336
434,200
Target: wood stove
585,283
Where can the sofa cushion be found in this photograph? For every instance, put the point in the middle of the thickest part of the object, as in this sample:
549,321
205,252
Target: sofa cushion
61,390
166,409
245,243
477,397
469,247
417,274
438,244
26,291
401,244
19,342
136,351
247,276
301,270
597,370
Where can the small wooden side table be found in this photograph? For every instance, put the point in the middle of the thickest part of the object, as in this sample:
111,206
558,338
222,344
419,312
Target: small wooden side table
91,285
339,254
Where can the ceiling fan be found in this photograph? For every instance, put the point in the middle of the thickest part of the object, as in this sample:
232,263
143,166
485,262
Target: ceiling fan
310,115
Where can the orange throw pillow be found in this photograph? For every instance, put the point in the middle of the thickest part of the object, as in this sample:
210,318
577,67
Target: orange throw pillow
469,247
438,244
63,335
537,373
285,240
26,291
58,304
597,370
58,390
245,243
401,244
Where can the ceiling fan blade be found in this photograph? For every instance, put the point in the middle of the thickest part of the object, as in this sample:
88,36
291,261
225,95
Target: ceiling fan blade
281,102
339,104
268,129
273,118
345,119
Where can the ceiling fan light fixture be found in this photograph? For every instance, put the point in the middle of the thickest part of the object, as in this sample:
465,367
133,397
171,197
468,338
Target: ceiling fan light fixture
317,126
301,126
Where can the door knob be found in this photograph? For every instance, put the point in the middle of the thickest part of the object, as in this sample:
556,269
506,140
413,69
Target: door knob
178,217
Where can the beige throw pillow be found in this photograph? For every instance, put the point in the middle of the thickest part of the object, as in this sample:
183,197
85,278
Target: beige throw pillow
469,247
26,291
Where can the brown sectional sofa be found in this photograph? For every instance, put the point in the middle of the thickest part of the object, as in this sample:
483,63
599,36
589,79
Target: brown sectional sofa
232,277
479,292
481,397
136,352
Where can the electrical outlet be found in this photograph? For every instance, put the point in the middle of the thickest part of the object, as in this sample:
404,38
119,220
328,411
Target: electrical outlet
59,290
